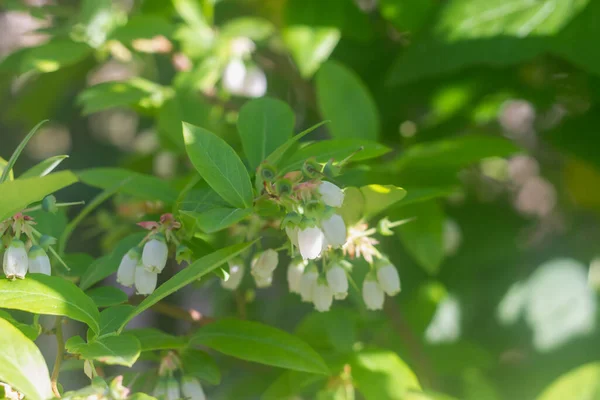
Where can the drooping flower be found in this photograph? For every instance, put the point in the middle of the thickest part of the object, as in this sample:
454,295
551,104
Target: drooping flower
244,81
308,282
388,278
155,254
263,281
331,195
337,281
294,275
39,263
263,264
15,263
255,82
126,271
191,388
236,273
334,229
372,294
233,76
172,390
310,242
145,281
322,296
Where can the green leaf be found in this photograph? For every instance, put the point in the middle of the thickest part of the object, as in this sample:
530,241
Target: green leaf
381,374
407,16
188,275
346,101
112,318
54,55
112,350
31,331
41,294
353,209
201,365
106,296
3,164
423,237
260,343
285,149
155,339
133,92
380,197
104,266
290,383
253,28
142,186
217,219
335,330
18,194
43,168
15,155
264,124
310,46
143,27
22,365
219,165
582,383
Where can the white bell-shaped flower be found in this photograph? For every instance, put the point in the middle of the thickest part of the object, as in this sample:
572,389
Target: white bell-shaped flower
372,294
322,296
126,271
295,272
191,388
255,82
172,390
236,274
160,390
263,264
15,260
263,281
234,75
155,254
292,233
388,278
39,263
331,195
307,284
310,242
334,229
337,281
452,237
145,281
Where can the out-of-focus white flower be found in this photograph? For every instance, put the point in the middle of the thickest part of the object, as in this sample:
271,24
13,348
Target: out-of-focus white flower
331,195
236,274
191,388
39,263
263,264
263,281
241,46
172,390
372,294
322,297
241,81
308,282
452,237
292,233
334,229
388,278
255,83
521,168
160,390
126,271
337,281
536,197
155,254
445,324
234,75
512,304
15,260
310,242
294,275
145,281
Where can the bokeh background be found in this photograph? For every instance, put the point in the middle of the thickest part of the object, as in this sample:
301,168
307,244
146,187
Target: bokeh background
500,271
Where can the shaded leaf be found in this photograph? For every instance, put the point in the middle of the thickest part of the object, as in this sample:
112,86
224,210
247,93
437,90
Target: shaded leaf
106,296
201,365
155,339
112,350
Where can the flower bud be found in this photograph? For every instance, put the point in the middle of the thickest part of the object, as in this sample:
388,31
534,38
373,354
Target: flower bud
331,195
15,260
263,264
236,273
267,171
126,271
49,204
322,297
334,229
372,294
155,254
308,282
310,242
294,275
172,390
337,281
145,281
388,278
191,388
284,187
39,263
311,168
183,253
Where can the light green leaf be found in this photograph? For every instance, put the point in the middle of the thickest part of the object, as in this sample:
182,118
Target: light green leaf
18,194
7,170
582,383
380,197
106,296
381,374
31,331
54,55
112,350
219,165
253,28
264,124
188,275
346,101
142,186
201,365
43,168
3,164
155,339
260,343
310,46
52,295
22,365
290,383
143,27
217,219
353,209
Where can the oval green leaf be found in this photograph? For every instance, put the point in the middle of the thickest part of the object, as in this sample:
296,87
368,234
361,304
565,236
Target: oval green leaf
155,339
112,350
44,167
201,365
106,296
579,384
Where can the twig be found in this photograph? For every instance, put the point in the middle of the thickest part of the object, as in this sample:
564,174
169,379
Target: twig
60,353
240,300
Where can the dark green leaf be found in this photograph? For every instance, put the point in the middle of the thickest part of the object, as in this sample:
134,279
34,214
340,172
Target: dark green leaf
112,350
54,55
106,296
285,149
112,318
155,339
216,219
199,364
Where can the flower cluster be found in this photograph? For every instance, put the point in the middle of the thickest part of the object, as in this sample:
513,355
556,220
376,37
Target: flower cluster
141,265
169,387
